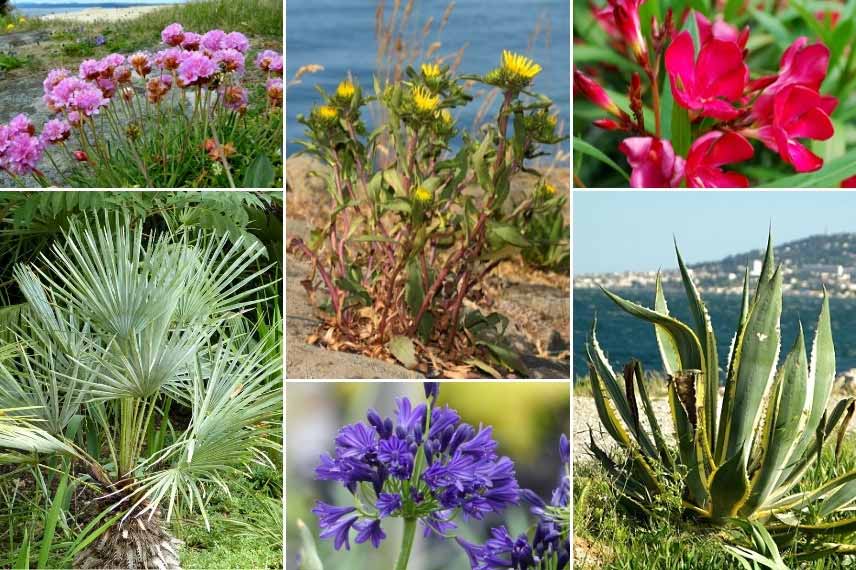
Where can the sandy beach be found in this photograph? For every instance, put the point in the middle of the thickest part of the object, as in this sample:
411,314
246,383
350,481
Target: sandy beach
90,15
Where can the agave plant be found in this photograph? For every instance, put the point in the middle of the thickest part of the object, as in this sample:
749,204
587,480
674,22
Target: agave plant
743,458
121,327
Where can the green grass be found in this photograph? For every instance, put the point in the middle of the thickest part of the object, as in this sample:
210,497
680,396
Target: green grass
608,537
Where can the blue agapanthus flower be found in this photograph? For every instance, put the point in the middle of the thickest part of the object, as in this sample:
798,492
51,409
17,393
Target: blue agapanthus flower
549,548
424,465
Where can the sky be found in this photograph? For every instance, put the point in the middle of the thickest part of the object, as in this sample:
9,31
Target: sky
617,231
37,2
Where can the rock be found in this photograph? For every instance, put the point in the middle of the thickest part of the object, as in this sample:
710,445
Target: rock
16,39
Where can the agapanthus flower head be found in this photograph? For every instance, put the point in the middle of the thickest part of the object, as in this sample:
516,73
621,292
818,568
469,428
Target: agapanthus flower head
707,86
195,69
235,98
237,41
56,131
273,88
712,151
519,68
798,112
173,34
191,41
461,471
423,100
141,62
654,162
214,40
230,60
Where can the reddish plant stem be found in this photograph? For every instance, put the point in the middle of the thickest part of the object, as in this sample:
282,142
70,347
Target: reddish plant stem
653,73
328,281
456,309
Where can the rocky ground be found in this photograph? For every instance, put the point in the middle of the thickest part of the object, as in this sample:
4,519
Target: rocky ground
536,303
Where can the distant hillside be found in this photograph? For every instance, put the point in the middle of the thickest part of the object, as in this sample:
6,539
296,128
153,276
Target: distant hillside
831,250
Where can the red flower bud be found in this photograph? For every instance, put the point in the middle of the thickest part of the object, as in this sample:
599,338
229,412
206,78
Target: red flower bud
595,93
81,156
607,125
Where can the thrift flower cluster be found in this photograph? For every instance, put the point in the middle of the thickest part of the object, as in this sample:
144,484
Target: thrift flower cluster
550,545
727,106
214,61
425,464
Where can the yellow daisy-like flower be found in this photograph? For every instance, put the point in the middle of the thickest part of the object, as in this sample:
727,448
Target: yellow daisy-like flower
326,112
446,117
22,20
424,100
345,90
549,189
519,66
10,27
422,195
430,71
553,120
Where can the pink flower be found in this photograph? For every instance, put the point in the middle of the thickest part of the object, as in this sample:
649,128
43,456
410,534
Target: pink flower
191,41
236,40
626,16
74,118
235,98
170,59
89,69
709,85
141,63
654,162
88,100
848,182
195,69
22,124
713,150
61,95
801,64
55,131
273,87
122,74
22,154
5,138
229,60
173,34
798,112
266,59
214,40
595,93
720,30
108,64
107,86
158,87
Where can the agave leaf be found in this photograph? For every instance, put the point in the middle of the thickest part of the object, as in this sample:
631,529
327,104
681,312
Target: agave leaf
729,487
665,341
704,332
767,267
730,375
656,431
685,340
687,449
845,495
782,425
758,352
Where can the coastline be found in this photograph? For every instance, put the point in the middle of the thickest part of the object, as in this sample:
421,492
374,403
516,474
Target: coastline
90,15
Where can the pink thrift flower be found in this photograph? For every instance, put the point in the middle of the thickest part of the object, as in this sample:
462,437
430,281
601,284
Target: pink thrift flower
55,131
63,92
122,74
53,78
74,118
173,34
214,40
265,58
654,162
801,64
108,64
192,41
709,153
798,112
89,69
708,85
276,65
22,124
235,98
195,69
141,63
158,87
273,87
236,40
23,154
89,100
170,59
720,30
107,86
229,60
5,138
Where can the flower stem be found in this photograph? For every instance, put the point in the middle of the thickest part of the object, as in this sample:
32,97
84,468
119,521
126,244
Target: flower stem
406,544
655,95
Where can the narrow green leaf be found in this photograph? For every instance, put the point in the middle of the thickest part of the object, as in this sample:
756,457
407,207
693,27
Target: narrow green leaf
260,173
830,176
585,148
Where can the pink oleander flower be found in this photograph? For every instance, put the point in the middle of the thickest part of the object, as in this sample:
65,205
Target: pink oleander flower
273,87
170,59
214,40
654,162
55,131
236,40
23,153
712,151
626,16
229,60
22,124
707,86
122,74
192,41
801,64
89,69
720,30
141,63
196,69
266,58
592,90
798,112
173,34
606,21
235,98
848,182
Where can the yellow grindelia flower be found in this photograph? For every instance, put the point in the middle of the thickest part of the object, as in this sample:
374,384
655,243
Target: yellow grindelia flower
519,66
10,26
345,90
326,112
549,189
22,20
422,195
446,116
424,100
430,70
553,119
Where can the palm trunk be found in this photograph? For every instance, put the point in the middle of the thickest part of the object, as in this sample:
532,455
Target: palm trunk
137,544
